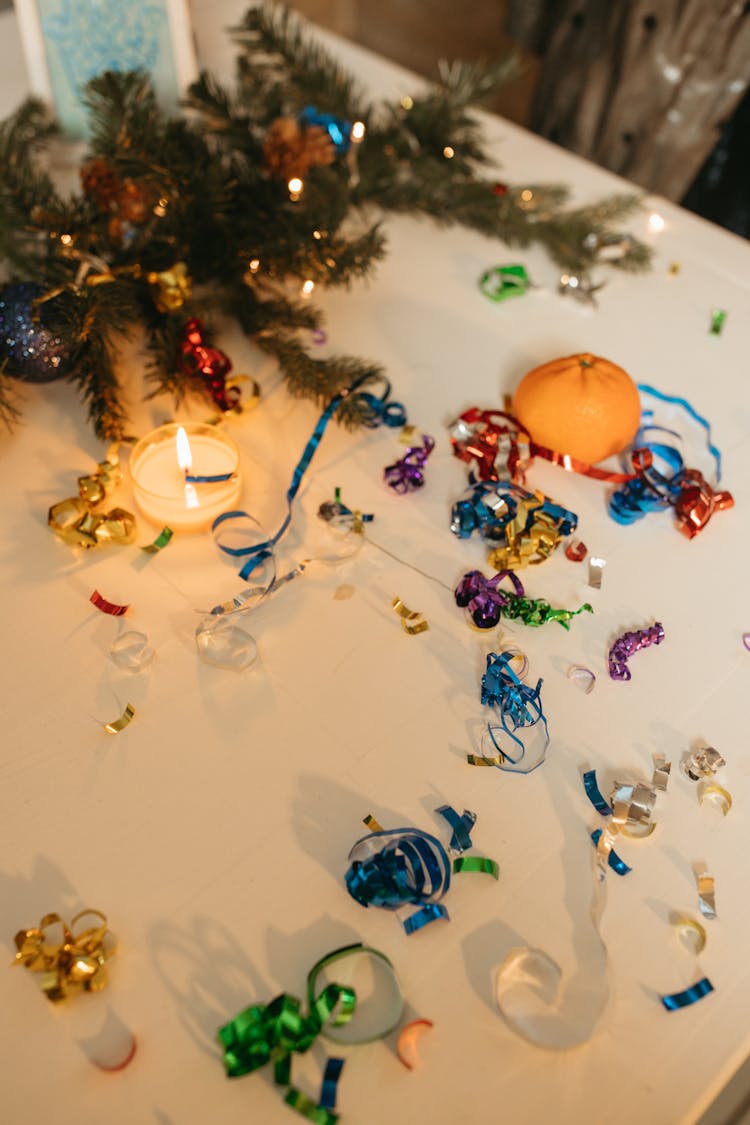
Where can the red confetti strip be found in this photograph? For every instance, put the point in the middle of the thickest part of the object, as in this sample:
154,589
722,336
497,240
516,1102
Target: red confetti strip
111,608
576,550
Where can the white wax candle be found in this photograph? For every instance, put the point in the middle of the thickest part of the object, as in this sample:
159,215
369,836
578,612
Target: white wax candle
160,489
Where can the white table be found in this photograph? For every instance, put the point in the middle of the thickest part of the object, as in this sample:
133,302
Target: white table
214,830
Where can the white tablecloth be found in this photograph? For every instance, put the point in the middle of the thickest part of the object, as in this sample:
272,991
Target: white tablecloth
214,831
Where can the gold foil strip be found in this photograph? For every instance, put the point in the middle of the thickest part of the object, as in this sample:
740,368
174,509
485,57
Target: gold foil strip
690,933
407,435
373,824
661,772
119,724
633,808
715,792
480,760
76,520
77,963
527,546
411,622
707,895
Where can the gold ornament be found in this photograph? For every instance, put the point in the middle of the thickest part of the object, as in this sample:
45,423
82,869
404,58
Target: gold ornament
173,287
291,149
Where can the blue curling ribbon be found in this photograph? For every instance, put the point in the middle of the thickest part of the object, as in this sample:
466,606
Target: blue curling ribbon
259,552
400,866
617,864
329,1087
594,794
339,130
690,996
489,506
422,917
516,704
644,388
461,825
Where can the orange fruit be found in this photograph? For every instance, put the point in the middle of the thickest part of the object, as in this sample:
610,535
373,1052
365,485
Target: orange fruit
582,405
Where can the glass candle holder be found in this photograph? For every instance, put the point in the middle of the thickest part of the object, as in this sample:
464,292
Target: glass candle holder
185,475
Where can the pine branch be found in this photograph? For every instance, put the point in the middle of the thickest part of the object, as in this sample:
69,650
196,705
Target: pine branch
10,411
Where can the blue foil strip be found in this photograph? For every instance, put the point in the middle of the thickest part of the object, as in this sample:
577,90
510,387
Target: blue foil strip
218,479
690,996
410,866
328,1089
593,793
617,864
644,388
424,916
461,825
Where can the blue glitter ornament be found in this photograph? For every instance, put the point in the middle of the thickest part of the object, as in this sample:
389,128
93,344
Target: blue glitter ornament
30,351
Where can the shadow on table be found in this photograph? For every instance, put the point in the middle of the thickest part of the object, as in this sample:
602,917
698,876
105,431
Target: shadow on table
207,974
24,899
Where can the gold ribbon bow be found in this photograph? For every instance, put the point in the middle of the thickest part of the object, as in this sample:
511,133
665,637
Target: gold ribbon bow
77,963
531,537
76,520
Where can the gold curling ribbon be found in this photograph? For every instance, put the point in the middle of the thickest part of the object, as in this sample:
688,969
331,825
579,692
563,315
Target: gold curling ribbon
77,963
716,791
686,929
373,824
411,622
119,724
527,546
76,520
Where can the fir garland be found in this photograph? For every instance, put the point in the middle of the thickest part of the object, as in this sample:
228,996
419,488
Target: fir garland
209,193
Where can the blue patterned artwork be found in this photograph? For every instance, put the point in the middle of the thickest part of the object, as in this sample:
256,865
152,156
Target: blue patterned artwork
84,37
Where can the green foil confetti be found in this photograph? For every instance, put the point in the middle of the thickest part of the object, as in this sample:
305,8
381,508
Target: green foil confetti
501,282
718,316
480,863
160,542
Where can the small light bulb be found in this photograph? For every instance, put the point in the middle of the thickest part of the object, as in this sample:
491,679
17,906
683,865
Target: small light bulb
317,234
254,265
307,287
527,195
656,223
296,187
448,152
358,132
66,239
407,102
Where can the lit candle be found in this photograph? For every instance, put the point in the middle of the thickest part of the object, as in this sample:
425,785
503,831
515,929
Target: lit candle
161,462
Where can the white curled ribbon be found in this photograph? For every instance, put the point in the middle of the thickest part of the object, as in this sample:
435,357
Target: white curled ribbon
535,1001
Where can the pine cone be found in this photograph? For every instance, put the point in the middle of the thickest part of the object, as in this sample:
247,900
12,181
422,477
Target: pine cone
291,149
100,182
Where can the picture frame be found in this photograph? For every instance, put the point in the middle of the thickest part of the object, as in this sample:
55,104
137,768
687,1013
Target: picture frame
67,42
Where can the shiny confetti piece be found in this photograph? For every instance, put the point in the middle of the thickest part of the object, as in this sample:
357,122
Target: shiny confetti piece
481,760
406,437
319,336
76,963
582,677
718,316
487,602
162,539
217,478
502,282
528,525
407,474
716,794
373,824
329,1087
596,569
479,863
78,520
104,606
131,651
662,770
703,762
628,644
690,995
619,866
411,622
674,269
706,895
576,551
119,724
690,933
633,808
225,645
406,1044
746,641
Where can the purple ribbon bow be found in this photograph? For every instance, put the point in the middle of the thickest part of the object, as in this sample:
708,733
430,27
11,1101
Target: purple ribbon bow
407,474
483,598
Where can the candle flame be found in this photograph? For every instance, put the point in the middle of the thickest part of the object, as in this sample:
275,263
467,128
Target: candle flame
184,455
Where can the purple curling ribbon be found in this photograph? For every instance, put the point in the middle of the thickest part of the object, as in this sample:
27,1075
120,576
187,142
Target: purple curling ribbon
483,598
407,474
627,644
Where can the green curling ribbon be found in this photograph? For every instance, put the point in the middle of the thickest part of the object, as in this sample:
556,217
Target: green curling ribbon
504,281
480,863
538,611
274,1032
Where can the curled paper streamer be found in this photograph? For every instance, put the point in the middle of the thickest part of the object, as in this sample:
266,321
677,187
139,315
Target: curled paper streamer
78,520
716,794
517,707
407,474
703,762
502,282
131,651
412,622
406,866
533,999
690,995
487,603
76,963
105,606
707,895
583,677
274,1032
162,539
119,724
406,1045
629,643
